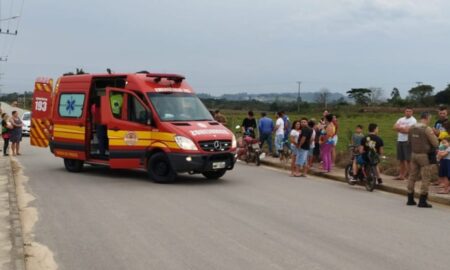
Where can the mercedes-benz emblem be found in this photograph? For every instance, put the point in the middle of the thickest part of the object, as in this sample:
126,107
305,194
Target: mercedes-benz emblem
216,145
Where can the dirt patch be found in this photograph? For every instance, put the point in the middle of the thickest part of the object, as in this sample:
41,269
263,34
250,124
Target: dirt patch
37,256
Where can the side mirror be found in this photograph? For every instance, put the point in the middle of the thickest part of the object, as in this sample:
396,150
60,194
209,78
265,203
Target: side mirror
149,118
145,117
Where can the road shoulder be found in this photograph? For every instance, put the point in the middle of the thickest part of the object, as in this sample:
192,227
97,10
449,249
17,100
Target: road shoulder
11,241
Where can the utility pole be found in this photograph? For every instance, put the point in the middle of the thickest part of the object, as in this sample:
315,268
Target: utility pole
299,99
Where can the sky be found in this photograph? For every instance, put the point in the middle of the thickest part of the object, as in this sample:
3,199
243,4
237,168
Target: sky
255,46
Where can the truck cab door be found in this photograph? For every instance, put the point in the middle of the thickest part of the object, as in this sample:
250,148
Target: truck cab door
128,123
41,112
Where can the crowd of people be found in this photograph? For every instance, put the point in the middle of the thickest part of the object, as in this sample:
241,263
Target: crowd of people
420,148
310,140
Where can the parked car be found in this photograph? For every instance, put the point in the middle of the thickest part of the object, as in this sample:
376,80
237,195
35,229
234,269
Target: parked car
26,119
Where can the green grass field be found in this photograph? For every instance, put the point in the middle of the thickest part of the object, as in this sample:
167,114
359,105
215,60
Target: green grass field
347,124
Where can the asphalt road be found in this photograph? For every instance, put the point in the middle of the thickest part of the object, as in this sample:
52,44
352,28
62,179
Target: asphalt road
254,218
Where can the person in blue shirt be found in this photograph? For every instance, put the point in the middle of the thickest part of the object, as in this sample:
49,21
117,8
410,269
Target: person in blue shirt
265,126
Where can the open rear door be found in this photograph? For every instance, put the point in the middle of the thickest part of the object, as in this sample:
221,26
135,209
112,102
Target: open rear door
40,112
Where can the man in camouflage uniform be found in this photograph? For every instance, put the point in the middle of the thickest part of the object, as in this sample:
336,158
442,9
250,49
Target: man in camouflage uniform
423,141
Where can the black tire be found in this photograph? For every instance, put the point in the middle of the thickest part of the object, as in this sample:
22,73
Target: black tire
73,165
371,178
349,174
214,175
159,169
257,160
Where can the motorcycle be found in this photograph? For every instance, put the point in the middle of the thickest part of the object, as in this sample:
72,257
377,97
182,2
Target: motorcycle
367,174
249,149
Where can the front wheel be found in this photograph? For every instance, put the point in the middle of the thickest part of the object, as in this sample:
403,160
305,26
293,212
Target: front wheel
213,175
257,159
159,169
73,165
349,174
371,178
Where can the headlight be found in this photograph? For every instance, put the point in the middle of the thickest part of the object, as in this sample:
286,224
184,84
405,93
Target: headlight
185,143
233,142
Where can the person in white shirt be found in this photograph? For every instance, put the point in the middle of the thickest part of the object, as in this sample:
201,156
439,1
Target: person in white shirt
403,148
293,136
279,133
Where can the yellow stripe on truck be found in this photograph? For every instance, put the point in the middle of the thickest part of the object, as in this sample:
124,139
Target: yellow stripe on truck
69,128
144,138
144,135
68,135
35,126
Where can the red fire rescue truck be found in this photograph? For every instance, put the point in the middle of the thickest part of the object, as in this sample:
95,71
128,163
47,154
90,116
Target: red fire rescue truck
140,120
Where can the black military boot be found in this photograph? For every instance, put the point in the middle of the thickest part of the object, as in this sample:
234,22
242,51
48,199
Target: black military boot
411,200
423,202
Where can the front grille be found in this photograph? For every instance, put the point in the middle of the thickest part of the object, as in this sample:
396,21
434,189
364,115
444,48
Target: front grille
215,146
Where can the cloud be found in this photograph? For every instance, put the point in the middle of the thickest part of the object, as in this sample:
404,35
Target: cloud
325,17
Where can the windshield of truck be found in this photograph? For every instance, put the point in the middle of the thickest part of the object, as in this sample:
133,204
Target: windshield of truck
179,107
26,116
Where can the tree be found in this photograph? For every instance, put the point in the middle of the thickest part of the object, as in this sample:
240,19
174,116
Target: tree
396,99
443,96
362,96
323,97
421,94
274,107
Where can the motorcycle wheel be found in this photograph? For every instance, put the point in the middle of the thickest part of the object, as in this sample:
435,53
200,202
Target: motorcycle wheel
371,178
349,174
257,160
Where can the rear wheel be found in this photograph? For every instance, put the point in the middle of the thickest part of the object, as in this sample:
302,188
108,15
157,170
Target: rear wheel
257,160
159,169
214,174
73,165
371,178
349,174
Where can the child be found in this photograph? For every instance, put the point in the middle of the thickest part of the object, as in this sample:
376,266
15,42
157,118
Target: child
444,165
357,136
356,142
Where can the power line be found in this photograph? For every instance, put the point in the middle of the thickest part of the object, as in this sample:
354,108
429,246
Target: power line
10,18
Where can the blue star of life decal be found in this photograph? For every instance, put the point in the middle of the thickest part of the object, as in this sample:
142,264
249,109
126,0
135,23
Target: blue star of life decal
70,105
